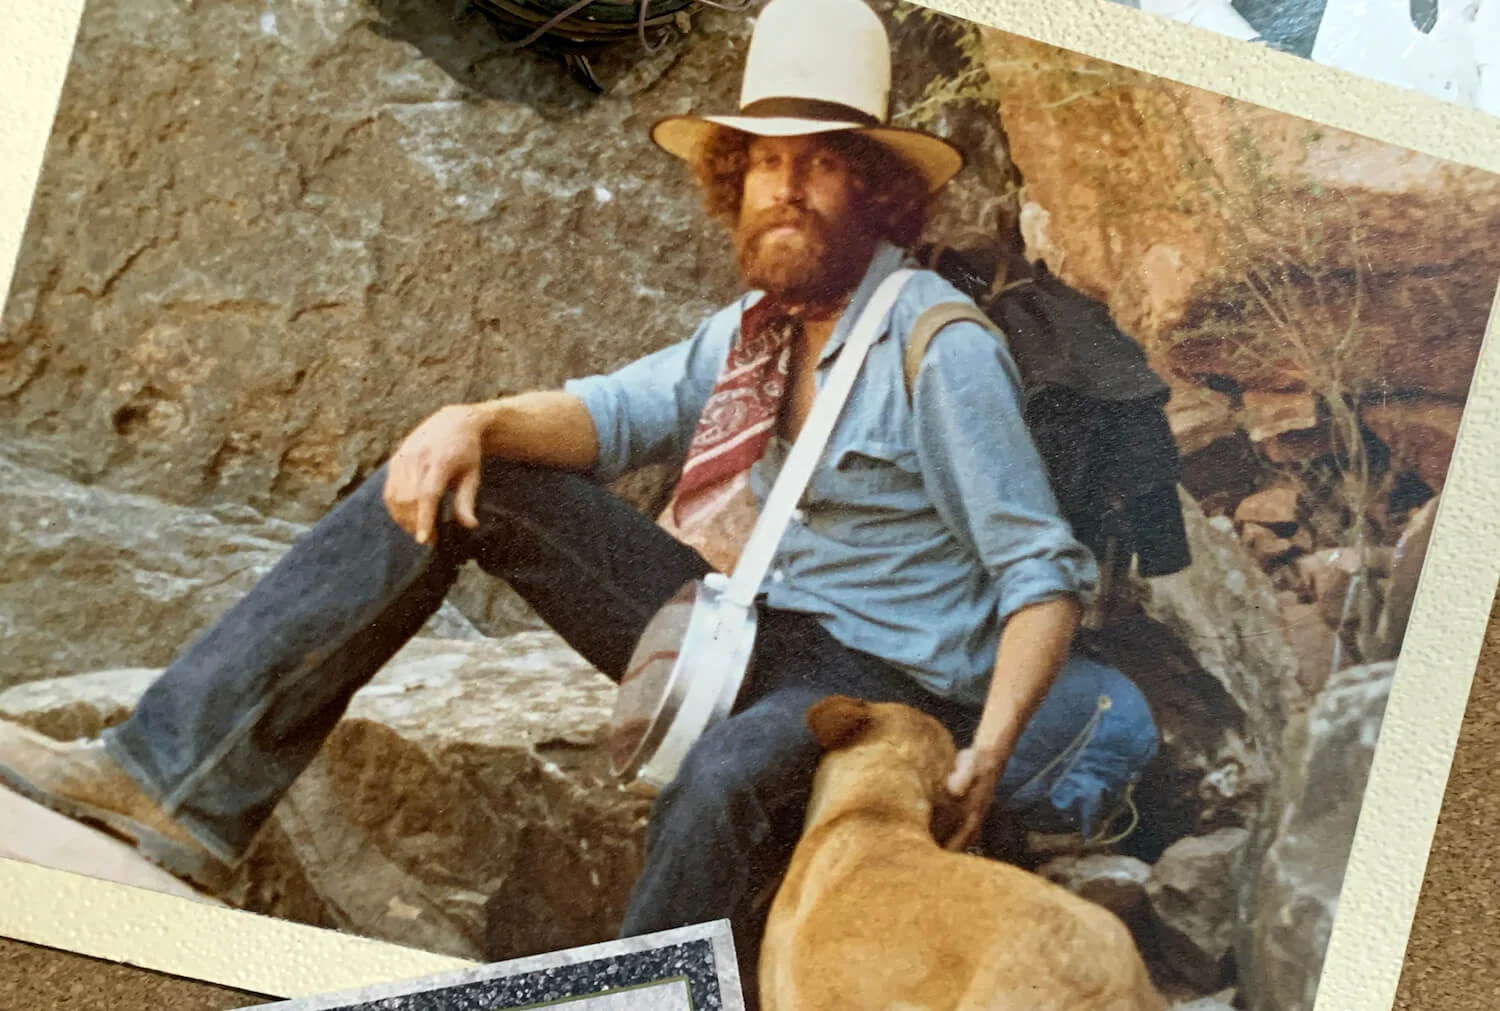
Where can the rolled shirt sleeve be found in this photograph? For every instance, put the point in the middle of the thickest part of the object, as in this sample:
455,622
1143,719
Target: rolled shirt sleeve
985,476
645,412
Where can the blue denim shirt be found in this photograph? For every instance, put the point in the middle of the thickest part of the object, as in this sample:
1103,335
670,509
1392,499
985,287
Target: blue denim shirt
927,523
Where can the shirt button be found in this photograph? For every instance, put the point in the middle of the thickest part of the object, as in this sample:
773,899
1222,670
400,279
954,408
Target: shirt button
798,516
777,575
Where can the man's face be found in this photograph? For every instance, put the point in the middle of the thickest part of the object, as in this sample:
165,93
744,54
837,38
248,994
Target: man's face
799,232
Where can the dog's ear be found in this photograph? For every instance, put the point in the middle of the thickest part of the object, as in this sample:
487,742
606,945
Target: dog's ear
838,720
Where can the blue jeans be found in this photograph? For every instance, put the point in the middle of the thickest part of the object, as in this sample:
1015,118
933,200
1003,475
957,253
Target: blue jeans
228,727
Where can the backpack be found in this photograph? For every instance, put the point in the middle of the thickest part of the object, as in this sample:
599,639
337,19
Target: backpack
1095,409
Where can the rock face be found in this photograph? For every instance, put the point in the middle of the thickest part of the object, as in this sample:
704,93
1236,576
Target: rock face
1294,868
464,771
91,579
383,212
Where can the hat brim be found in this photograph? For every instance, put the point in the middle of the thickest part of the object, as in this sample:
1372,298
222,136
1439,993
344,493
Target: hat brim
937,160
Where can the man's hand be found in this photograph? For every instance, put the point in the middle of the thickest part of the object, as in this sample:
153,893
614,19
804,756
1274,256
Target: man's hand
442,453
975,776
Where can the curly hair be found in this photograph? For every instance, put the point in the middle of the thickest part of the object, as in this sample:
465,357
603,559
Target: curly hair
896,196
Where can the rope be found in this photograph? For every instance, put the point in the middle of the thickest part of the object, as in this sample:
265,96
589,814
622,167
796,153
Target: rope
573,23
1135,820
1075,747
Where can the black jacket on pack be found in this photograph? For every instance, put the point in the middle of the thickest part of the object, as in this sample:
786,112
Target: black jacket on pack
1096,410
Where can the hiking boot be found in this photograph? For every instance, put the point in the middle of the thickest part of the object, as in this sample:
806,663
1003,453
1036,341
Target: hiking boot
79,780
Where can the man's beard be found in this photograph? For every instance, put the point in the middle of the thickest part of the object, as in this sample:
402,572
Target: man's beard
821,262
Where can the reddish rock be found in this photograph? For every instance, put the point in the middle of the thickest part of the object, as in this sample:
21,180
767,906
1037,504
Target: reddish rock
1198,417
1299,446
1268,415
1275,507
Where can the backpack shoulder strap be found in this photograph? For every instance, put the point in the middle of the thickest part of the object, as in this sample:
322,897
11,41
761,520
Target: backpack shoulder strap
933,319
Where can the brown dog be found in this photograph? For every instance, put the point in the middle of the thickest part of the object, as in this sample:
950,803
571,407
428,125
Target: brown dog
874,915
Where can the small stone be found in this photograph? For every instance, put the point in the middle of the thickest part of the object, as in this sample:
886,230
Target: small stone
1117,883
1274,507
1297,865
1268,415
1264,543
1198,417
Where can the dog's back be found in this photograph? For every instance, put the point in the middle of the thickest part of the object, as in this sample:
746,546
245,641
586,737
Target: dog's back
873,914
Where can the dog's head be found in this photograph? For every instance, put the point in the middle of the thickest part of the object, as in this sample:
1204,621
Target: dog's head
903,735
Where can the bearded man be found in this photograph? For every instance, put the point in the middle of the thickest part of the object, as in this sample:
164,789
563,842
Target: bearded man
928,563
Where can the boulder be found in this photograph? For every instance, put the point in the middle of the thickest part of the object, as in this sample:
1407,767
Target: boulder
1223,608
1314,643
384,212
1192,898
1207,648
464,770
1293,868
92,579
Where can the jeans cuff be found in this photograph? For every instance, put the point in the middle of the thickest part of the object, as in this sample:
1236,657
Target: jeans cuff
201,832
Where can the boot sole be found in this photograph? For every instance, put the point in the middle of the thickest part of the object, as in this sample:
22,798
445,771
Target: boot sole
198,868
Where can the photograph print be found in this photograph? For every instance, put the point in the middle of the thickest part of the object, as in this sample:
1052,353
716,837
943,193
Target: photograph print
689,969
1447,49
502,478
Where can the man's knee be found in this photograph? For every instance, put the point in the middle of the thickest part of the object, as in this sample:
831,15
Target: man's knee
748,767
1095,738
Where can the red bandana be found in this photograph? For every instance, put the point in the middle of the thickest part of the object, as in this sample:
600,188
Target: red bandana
712,507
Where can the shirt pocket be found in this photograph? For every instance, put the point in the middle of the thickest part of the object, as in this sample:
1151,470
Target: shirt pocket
868,473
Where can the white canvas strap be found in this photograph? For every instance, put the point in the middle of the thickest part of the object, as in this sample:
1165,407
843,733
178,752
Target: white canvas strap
798,468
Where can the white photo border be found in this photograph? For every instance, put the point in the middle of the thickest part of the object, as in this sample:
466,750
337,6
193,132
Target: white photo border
1436,667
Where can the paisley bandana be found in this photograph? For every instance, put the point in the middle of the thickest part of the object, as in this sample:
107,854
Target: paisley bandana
712,508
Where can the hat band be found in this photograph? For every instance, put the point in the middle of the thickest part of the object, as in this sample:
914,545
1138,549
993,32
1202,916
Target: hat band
808,108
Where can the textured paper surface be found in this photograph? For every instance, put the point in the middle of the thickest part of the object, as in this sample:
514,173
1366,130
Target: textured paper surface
1434,672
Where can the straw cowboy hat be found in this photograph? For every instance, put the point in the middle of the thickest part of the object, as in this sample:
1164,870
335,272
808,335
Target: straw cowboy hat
817,66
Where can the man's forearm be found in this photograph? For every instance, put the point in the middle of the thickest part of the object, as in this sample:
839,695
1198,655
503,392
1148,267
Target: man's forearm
551,428
1033,647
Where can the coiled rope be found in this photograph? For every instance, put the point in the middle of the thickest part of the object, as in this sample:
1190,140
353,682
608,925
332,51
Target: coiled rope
599,22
